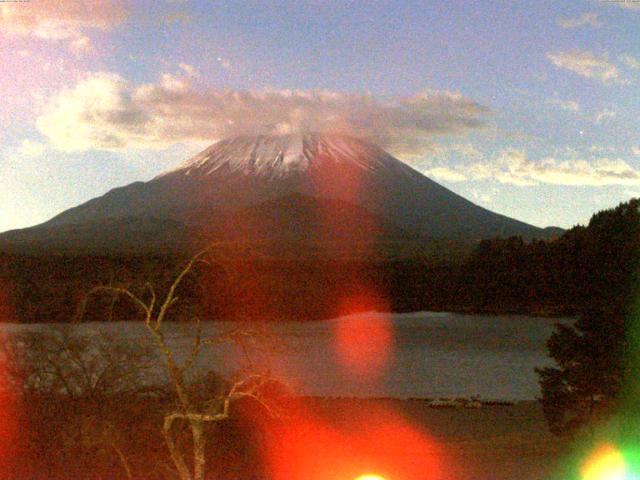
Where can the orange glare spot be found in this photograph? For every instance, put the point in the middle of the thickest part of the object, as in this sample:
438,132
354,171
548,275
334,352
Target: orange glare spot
369,439
607,463
8,399
363,341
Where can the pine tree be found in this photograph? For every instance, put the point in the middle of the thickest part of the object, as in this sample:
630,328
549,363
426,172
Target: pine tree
595,355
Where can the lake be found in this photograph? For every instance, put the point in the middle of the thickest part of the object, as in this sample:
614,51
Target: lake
425,354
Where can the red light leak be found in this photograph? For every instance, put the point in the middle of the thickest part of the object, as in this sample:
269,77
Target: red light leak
8,401
377,443
377,440
364,339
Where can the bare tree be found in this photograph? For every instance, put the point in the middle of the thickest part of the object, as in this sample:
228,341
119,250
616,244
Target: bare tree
191,409
60,364
62,361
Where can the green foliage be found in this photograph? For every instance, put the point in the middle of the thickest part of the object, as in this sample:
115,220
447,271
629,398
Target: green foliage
583,388
593,355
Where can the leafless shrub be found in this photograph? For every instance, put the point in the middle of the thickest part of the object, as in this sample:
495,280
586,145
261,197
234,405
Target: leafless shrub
61,361
71,382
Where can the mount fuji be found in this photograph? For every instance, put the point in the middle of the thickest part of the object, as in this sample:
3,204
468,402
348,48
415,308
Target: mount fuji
280,189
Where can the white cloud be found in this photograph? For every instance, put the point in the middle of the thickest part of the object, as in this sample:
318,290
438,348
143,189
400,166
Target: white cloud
445,173
190,70
513,167
635,149
630,61
81,45
568,105
587,18
467,150
437,162
29,148
587,65
602,171
60,19
485,195
628,4
602,149
604,115
415,151
104,111
94,114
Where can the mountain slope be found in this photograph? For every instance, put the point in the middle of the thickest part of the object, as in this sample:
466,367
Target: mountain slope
383,196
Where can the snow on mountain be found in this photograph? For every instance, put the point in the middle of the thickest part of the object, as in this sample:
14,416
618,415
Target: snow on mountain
278,156
241,179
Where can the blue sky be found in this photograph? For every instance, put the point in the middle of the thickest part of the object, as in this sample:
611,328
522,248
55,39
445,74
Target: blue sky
528,108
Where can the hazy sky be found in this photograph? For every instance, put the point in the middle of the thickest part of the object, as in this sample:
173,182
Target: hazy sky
528,108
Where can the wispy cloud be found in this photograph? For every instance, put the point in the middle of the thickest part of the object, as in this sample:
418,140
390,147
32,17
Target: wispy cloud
586,19
601,149
81,45
588,65
628,4
104,111
31,148
603,115
467,151
568,105
630,61
189,70
512,166
446,173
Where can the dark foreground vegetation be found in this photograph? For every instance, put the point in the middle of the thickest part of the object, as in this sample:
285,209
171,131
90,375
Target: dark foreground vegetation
96,406
82,406
598,357
119,438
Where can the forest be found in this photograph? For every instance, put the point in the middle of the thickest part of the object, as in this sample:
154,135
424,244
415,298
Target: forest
558,277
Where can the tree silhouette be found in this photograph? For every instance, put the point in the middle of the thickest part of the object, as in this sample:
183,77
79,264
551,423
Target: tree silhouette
594,354
196,405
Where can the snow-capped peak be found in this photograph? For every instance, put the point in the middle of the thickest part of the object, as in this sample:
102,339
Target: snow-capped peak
277,156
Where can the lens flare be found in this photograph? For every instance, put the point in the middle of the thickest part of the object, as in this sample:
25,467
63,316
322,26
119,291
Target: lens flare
370,476
606,463
363,341
8,400
369,438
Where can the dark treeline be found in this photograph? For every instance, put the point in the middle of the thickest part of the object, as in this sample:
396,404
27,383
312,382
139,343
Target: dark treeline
585,269
557,277
50,288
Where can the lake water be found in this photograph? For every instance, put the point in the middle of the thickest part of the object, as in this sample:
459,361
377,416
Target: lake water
429,354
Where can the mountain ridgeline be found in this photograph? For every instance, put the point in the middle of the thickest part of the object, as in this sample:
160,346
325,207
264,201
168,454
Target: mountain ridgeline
320,189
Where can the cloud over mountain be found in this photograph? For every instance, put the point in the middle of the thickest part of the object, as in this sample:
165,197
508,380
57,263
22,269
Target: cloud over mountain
105,111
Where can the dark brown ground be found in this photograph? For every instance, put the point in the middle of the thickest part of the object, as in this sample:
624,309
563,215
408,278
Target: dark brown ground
65,440
488,443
